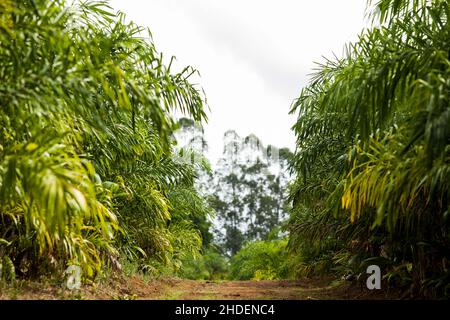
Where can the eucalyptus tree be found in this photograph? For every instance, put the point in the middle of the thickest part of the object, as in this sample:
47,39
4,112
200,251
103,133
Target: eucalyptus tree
248,191
87,171
373,142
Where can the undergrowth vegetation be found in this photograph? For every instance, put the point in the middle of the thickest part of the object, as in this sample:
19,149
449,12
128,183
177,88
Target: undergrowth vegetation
211,265
261,260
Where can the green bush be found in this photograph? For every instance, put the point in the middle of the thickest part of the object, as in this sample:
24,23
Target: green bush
261,260
210,266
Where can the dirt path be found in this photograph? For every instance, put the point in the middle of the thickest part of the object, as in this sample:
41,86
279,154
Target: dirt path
178,289
279,290
305,289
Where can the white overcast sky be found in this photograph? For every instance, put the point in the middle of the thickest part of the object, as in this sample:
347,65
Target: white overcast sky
254,56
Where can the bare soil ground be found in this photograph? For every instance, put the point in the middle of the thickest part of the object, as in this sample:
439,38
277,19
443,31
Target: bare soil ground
178,289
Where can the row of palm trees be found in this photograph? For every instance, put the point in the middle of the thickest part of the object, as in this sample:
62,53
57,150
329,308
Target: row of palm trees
373,153
88,175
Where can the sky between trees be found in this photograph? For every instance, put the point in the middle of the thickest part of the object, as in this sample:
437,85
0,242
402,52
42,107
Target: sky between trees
254,56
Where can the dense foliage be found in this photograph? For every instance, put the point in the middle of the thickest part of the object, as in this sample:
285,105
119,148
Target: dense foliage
211,265
261,260
88,175
373,153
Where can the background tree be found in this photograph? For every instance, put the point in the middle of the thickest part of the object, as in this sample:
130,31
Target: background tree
249,190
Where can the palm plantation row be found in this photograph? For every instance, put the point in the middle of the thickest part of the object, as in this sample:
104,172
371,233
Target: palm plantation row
87,171
89,175
373,153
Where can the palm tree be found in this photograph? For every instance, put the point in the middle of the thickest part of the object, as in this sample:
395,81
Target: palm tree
86,166
373,144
